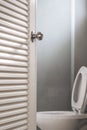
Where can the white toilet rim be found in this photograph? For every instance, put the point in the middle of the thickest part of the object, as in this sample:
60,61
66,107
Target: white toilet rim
61,115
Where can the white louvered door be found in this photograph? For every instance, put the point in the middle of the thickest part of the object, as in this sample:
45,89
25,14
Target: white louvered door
15,65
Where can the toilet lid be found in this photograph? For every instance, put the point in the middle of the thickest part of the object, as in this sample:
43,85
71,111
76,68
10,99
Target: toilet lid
79,92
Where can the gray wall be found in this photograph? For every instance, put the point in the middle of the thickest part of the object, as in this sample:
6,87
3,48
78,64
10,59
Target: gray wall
54,55
81,34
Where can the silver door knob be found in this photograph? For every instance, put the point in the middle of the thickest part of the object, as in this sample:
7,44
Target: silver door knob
37,35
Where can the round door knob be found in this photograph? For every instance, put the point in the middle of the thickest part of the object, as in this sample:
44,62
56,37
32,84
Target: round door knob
38,36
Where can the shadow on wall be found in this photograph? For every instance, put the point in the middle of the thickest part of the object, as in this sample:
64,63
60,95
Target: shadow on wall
81,35
53,84
38,128
54,55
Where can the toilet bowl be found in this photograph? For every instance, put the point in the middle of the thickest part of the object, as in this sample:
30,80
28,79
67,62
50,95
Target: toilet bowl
68,120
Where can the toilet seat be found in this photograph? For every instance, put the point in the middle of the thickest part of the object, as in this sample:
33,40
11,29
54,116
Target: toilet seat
79,91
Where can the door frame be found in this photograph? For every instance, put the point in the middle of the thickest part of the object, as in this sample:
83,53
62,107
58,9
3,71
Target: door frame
32,69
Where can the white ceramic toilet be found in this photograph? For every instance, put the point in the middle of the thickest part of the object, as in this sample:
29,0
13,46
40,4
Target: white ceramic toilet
68,120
